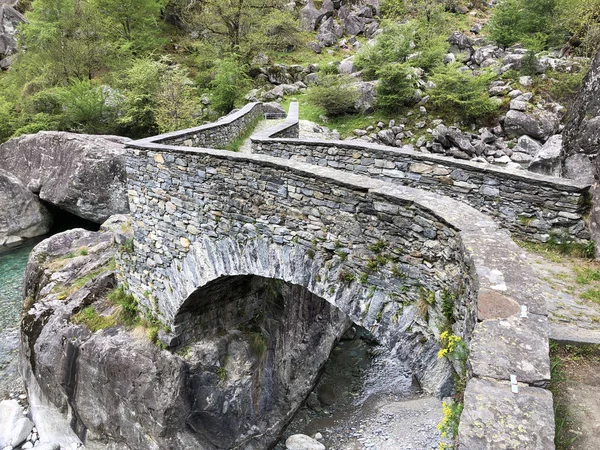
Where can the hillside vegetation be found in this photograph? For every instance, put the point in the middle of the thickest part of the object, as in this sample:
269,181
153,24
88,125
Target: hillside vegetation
139,67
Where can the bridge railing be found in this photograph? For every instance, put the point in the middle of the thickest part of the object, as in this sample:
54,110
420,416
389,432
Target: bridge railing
532,206
218,134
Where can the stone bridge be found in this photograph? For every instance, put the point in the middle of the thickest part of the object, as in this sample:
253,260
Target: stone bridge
403,262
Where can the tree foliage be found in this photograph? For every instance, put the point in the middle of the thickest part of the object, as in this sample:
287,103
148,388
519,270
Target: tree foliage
229,84
397,86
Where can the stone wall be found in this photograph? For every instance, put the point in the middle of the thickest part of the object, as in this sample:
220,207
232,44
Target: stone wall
530,205
213,135
386,255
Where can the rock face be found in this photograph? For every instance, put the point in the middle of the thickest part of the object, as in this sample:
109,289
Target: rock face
9,19
82,174
21,213
581,138
232,389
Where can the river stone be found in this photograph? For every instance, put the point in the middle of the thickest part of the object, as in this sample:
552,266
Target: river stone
302,442
47,447
547,159
22,215
538,125
82,174
491,409
21,430
10,413
513,346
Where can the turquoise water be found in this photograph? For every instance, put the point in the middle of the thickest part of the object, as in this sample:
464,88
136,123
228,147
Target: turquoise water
12,271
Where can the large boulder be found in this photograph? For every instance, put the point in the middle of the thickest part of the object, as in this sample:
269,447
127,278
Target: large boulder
547,159
582,130
82,174
539,124
311,17
22,215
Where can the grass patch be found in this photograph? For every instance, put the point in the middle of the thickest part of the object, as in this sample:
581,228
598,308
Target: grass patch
90,318
65,291
559,247
592,295
585,275
237,143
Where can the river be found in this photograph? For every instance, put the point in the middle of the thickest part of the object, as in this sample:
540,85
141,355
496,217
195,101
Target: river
12,271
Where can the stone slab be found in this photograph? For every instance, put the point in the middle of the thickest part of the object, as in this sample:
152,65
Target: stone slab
495,418
514,346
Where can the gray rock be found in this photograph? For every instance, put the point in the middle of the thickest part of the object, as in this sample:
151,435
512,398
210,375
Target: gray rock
10,413
47,447
579,167
273,107
302,442
460,41
10,18
520,157
387,137
460,140
538,124
20,431
491,409
525,80
518,105
353,24
22,215
547,160
367,98
310,16
528,145
347,66
82,174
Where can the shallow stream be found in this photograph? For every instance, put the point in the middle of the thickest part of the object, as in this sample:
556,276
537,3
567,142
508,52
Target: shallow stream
12,271
366,399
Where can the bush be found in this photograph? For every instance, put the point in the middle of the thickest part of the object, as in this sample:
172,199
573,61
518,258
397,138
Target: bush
229,85
176,103
393,45
397,86
462,95
336,95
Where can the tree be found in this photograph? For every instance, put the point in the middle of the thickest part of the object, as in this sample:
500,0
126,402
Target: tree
136,22
397,86
229,24
140,85
176,101
229,84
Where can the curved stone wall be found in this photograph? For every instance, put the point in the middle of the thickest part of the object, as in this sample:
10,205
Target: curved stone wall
530,205
215,135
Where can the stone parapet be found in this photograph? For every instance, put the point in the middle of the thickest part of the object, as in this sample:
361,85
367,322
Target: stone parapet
214,135
533,207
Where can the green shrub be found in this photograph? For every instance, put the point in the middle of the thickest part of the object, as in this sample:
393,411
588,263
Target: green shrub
462,95
336,95
392,46
229,84
329,69
397,86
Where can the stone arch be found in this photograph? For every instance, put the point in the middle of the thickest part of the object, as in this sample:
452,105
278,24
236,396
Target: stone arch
209,262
